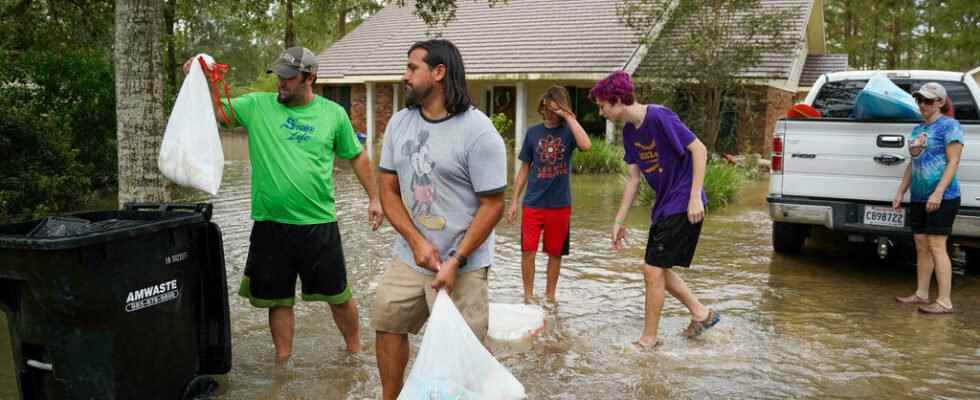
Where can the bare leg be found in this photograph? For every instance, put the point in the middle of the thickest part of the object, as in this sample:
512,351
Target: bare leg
281,321
554,268
943,268
527,274
680,291
655,281
924,265
345,316
392,353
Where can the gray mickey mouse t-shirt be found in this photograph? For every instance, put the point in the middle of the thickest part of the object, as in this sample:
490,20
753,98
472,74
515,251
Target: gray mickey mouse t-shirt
443,167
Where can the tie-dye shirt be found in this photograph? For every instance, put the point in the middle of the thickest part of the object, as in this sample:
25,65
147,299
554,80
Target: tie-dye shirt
928,166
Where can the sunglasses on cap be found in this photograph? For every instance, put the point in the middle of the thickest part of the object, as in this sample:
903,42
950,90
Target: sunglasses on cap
923,100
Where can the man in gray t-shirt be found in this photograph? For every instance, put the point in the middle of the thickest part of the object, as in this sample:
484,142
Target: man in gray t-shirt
443,176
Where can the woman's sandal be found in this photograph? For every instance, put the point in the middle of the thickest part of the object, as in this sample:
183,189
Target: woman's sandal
936,308
913,299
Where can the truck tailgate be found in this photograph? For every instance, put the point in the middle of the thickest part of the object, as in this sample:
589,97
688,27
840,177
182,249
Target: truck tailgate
852,160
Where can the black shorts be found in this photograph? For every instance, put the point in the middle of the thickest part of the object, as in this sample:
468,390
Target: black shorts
939,222
672,242
280,252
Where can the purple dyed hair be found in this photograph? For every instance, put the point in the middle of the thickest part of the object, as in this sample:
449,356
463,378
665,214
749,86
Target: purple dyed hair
617,87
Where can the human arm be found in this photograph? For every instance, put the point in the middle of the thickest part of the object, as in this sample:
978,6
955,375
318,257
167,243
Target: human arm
362,169
699,161
903,187
487,216
582,140
629,193
953,152
426,255
520,181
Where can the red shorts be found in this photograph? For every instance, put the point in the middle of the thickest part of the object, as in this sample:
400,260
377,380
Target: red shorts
554,222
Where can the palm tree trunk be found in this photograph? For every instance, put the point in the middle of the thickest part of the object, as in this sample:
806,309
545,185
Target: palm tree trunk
139,100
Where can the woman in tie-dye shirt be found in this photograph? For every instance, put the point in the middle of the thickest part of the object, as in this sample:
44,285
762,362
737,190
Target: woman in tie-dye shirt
935,146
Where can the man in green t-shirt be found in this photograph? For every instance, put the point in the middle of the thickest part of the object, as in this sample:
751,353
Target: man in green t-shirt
293,136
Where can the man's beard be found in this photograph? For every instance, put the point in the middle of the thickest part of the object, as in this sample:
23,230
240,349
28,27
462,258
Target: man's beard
285,98
417,94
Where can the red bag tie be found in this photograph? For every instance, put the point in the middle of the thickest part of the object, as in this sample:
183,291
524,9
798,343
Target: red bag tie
216,74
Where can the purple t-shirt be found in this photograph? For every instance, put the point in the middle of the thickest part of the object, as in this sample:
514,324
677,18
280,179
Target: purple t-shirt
659,148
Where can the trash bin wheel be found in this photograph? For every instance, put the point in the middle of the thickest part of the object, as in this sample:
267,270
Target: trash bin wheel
200,388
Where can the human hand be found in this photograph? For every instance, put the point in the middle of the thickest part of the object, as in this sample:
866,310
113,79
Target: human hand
187,65
618,236
376,215
695,210
512,213
897,202
934,200
426,256
446,275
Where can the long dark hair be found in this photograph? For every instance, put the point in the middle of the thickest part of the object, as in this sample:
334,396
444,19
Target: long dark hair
441,51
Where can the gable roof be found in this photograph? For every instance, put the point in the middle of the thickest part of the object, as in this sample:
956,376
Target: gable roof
571,39
772,65
516,37
817,65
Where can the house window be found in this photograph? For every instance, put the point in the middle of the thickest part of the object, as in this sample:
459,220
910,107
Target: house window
587,112
339,95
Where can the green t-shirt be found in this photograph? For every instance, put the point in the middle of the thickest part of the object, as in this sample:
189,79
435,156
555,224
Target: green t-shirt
291,150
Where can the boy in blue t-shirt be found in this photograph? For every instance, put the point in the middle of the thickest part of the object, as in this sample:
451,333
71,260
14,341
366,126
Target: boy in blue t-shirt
546,155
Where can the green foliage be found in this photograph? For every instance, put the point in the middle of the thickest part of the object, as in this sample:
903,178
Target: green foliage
602,158
439,12
925,34
501,122
695,62
722,181
57,98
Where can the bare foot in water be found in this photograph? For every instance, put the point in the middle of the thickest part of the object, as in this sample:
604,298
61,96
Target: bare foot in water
647,345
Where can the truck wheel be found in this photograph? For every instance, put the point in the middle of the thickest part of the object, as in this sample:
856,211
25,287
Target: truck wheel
972,259
788,238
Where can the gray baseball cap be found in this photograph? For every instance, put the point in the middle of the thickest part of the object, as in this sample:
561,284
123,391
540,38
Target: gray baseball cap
932,90
293,61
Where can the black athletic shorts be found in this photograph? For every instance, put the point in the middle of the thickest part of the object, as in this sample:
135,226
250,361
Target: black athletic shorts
939,222
672,242
280,252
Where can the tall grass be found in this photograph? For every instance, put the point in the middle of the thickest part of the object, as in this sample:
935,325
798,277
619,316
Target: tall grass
602,158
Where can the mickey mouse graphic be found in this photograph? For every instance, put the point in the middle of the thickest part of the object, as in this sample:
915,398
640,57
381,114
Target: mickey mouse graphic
423,189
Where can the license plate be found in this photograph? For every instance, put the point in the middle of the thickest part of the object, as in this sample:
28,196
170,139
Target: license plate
884,216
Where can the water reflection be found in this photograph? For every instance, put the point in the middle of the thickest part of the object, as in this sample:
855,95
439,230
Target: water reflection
815,326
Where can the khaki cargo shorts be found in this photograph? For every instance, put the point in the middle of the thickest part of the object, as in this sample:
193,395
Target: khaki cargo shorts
404,299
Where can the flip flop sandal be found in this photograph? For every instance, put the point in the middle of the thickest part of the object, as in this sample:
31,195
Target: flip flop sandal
913,299
936,308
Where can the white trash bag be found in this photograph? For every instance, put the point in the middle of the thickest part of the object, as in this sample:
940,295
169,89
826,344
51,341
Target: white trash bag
191,153
514,322
453,364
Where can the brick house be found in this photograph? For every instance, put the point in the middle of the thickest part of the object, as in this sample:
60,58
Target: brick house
515,50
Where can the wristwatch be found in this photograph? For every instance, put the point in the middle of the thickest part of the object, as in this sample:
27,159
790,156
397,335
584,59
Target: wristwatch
459,256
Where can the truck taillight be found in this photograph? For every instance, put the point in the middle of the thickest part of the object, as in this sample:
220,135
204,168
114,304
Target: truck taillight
777,154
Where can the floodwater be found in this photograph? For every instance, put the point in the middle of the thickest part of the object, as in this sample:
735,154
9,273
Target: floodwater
819,325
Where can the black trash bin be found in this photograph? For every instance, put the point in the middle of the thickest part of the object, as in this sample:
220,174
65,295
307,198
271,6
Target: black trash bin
132,305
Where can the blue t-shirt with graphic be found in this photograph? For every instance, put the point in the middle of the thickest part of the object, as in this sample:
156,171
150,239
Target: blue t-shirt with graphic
929,165
549,151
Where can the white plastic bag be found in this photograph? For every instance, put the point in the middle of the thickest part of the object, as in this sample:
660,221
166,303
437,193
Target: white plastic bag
191,153
513,322
452,364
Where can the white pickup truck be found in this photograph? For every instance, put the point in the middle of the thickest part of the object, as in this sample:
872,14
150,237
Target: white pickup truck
841,173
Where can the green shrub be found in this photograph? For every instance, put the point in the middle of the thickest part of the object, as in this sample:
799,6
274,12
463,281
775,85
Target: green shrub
602,158
58,130
721,184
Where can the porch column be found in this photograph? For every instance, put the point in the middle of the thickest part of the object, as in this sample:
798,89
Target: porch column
395,100
370,119
520,122
610,132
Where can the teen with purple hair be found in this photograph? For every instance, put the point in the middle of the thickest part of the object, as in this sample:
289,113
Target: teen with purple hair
660,148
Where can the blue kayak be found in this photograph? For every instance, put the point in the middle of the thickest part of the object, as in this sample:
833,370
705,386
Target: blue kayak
882,99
